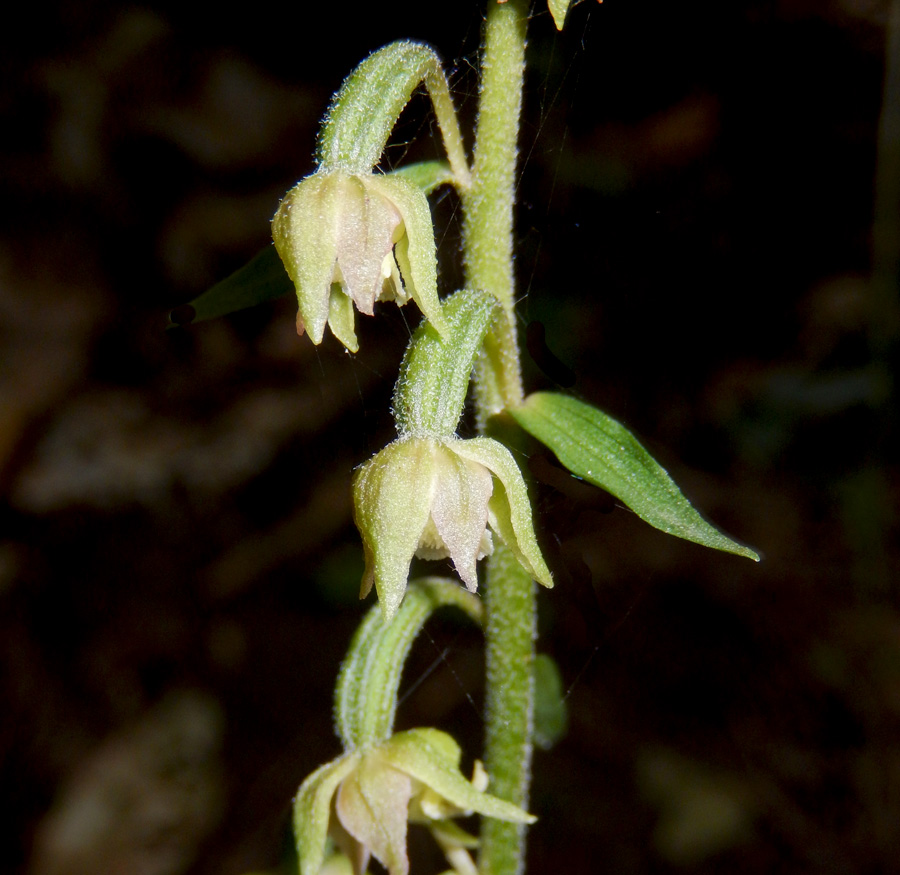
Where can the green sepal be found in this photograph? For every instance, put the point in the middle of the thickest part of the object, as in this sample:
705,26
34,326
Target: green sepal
510,506
312,811
551,716
558,9
423,754
367,797
392,498
415,251
366,693
434,377
602,451
260,279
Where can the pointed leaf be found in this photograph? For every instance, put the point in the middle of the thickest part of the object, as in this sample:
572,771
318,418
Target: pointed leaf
602,451
426,175
260,279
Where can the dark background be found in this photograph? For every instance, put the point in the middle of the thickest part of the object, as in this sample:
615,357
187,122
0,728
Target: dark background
178,568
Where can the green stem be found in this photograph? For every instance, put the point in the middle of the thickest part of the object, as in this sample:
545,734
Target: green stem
509,599
509,706
488,205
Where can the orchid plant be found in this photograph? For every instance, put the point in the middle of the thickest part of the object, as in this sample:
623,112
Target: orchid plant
348,236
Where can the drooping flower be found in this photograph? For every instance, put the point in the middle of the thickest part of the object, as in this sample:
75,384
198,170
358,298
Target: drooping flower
441,498
365,799
352,239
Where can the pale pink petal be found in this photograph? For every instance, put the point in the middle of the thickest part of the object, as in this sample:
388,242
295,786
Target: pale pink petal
460,512
372,805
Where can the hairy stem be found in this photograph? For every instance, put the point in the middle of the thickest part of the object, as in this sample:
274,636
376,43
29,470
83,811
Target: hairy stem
509,706
488,204
509,601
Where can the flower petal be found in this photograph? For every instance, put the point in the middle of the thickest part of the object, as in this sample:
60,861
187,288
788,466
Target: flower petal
509,507
392,498
460,509
372,805
312,810
366,232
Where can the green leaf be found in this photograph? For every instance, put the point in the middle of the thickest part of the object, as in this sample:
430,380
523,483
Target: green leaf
551,717
260,279
427,175
558,9
602,451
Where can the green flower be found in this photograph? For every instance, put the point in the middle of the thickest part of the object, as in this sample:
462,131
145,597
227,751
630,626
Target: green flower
439,498
353,239
365,799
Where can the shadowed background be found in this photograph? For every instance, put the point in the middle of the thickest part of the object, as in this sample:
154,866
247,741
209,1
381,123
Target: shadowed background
178,567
